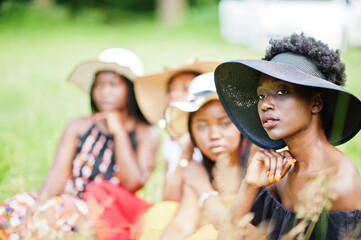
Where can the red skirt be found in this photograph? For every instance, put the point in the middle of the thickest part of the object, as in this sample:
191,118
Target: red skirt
115,209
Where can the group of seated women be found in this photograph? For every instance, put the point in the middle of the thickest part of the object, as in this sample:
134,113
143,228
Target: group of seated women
249,149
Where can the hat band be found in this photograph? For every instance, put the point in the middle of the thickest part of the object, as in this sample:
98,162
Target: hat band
299,63
200,97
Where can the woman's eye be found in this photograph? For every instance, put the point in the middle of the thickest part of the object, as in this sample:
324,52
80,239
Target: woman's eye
261,96
282,92
201,127
98,85
225,123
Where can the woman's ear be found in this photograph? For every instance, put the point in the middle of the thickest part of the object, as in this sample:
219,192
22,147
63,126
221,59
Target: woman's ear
318,103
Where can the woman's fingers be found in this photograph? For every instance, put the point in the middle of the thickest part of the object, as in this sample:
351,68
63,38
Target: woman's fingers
99,116
289,161
278,167
272,160
272,166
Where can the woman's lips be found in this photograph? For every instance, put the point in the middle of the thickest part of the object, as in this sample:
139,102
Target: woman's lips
105,102
269,121
217,149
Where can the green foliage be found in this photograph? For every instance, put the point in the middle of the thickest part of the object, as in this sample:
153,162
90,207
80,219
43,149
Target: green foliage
135,6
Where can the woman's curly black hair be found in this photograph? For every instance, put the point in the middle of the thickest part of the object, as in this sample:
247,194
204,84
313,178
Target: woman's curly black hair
327,61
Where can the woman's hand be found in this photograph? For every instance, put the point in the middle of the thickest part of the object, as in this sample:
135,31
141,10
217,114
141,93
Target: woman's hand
28,216
195,176
267,167
186,145
112,119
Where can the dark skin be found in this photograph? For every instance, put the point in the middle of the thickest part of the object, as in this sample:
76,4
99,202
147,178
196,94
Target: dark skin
293,113
218,139
113,118
178,91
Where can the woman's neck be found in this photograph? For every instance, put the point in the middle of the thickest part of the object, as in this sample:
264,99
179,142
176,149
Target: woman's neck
129,121
309,147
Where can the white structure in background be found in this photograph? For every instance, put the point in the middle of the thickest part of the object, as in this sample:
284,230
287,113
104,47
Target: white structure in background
254,22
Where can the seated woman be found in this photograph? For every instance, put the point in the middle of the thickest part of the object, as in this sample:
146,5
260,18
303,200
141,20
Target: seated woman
154,92
312,188
209,187
102,158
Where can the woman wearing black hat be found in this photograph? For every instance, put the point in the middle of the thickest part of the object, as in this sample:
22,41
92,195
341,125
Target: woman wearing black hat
293,98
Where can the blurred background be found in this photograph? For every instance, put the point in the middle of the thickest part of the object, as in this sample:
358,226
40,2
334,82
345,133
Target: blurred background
42,41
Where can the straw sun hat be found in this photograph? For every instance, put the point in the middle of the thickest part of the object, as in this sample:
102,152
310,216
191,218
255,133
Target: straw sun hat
118,60
201,91
236,83
151,90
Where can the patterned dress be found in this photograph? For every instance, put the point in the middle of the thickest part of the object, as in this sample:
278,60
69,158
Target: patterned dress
94,161
93,199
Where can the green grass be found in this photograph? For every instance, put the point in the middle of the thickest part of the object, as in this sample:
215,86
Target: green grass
39,48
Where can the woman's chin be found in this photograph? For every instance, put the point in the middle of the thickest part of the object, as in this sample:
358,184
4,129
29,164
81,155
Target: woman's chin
274,136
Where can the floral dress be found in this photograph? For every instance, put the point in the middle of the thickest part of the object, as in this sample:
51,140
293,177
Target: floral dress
93,199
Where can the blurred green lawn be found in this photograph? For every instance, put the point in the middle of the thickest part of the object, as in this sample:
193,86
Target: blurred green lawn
39,48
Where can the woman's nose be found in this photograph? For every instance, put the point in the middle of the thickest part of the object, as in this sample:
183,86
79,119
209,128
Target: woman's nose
267,103
106,89
214,133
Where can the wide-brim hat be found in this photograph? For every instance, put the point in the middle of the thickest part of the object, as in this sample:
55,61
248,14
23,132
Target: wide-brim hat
201,91
151,90
118,60
236,83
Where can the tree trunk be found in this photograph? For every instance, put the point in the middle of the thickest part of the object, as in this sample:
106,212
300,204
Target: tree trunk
171,12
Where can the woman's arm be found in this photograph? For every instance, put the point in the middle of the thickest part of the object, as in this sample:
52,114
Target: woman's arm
186,219
61,169
266,167
134,166
211,206
148,143
173,184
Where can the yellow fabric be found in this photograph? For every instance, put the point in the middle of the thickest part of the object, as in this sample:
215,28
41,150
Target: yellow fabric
156,219
159,215
207,232
228,200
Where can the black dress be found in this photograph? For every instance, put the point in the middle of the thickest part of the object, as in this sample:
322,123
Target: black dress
331,225
94,160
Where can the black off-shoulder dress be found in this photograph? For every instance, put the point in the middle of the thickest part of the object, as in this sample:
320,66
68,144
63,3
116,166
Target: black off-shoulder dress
331,225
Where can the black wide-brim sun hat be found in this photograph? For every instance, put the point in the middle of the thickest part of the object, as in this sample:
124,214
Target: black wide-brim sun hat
237,82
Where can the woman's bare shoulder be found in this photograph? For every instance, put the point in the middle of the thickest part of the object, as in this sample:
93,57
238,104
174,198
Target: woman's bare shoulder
346,185
79,125
147,132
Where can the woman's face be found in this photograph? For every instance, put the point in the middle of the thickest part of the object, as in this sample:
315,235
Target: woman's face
110,92
285,109
178,87
213,131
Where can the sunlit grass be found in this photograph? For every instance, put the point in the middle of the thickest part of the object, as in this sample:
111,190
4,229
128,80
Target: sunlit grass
38,51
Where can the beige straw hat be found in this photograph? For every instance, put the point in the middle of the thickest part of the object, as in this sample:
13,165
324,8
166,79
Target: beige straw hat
118,60
151,90
201,91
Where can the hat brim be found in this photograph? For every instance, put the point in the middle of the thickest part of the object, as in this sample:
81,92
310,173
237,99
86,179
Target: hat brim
177,115
84,74
151,90
236,83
